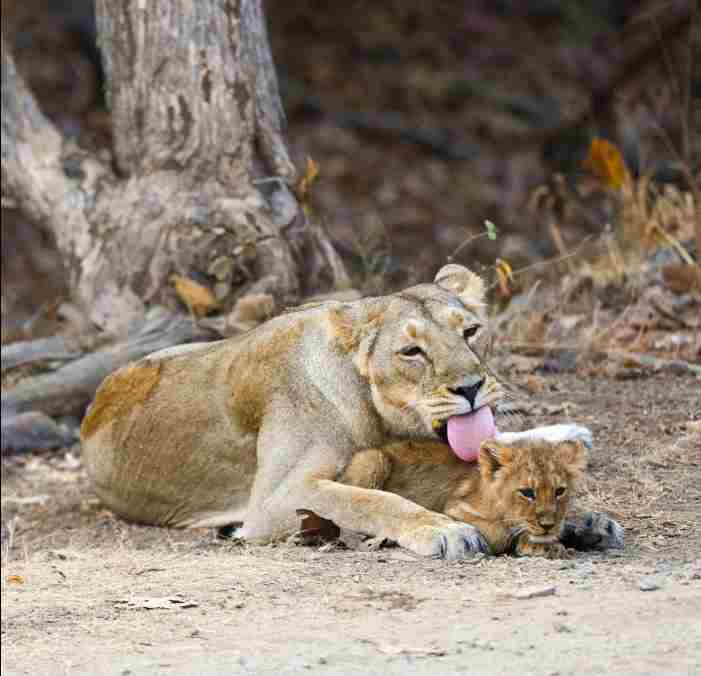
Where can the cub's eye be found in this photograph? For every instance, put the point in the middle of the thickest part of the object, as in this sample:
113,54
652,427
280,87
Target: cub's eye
560,492
527,493
411,351
471,331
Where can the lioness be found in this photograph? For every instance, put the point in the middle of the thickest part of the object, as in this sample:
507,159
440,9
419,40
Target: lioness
252,428
517,494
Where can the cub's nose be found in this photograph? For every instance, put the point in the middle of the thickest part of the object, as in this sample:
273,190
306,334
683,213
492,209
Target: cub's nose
546,522
469,392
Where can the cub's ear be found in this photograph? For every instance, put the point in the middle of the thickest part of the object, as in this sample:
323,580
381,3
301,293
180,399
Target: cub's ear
465,284
492,457
573,455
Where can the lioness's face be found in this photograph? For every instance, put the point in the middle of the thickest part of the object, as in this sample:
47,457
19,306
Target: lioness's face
423,366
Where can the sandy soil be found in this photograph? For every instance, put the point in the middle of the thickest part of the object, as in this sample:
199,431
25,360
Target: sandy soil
77,583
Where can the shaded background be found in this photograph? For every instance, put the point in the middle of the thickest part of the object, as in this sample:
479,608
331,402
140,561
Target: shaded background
424,118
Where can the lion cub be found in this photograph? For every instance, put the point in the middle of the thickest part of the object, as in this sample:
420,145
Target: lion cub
517,496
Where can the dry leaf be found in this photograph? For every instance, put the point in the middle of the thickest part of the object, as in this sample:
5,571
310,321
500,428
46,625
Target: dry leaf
606,163
313,529
409,650
15,579
505,278
517,363
256,307
199,299
534,384
304,187
682,278
176,602
534,593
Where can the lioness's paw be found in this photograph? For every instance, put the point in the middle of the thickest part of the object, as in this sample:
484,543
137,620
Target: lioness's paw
594,530
450,541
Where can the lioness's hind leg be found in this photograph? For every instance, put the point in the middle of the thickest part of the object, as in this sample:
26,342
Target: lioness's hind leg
592,530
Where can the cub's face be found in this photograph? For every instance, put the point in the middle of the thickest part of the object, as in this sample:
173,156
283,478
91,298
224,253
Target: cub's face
531,485
422,363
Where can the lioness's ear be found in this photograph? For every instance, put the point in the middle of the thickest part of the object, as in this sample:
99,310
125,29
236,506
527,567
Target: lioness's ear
493,456
573,455
465,284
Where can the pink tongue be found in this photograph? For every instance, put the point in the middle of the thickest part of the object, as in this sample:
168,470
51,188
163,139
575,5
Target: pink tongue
467,432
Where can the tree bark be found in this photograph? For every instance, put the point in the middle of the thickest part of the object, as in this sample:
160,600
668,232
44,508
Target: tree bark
197,123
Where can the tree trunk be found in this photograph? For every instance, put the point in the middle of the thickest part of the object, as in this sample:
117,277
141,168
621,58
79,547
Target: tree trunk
202,184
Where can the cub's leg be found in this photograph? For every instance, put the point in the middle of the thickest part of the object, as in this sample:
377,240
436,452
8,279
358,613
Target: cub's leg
368,469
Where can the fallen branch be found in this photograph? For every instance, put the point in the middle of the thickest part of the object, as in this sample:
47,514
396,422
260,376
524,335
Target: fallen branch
601,98
387,124
54,348
69,389
34,431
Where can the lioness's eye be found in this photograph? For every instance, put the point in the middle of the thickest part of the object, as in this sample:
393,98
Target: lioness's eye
471,331
560,492
411,351
528,493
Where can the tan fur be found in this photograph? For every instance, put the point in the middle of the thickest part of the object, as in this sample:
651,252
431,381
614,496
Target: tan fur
485,494
253,428
120,393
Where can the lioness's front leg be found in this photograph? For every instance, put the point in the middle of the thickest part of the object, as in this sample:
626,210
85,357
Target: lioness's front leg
390,516
370,469
310,483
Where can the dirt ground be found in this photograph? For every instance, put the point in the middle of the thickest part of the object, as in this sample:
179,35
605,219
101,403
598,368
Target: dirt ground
77,583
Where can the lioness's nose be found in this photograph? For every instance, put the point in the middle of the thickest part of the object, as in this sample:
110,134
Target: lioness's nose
469,392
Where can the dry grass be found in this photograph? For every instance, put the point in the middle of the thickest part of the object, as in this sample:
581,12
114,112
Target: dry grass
604,299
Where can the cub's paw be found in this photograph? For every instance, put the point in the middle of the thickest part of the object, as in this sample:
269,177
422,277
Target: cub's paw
450,541
547,550
594,530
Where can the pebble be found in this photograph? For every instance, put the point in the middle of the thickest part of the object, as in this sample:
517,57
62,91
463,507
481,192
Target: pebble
649,584
566,565
585,570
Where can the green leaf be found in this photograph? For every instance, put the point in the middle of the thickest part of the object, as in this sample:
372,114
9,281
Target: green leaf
491,230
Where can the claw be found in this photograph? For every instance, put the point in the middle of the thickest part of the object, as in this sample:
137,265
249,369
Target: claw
443,547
